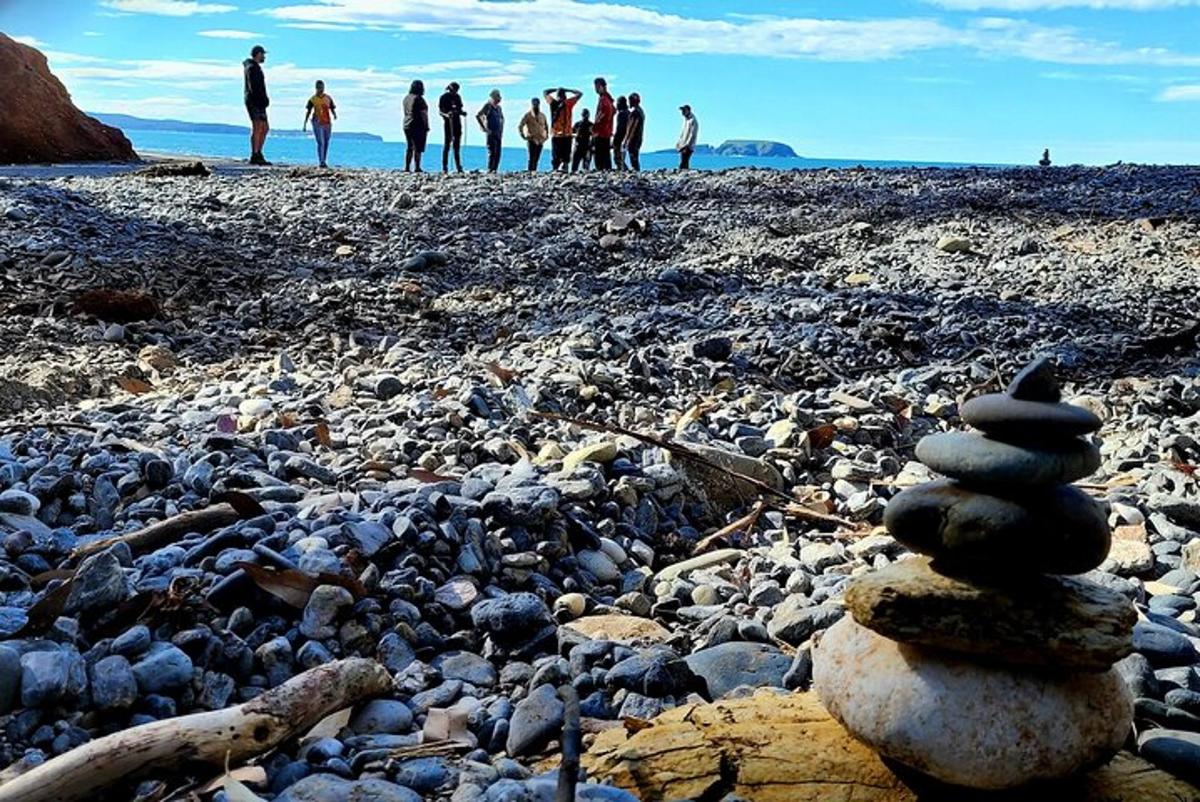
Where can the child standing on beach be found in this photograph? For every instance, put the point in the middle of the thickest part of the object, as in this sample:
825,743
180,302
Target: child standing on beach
323,111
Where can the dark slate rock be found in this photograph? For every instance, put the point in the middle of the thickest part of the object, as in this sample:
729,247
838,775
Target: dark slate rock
1174,751
328,788
537,720
732,665
382,716
99,583
1162,646
164,667
51,677
426,775
10,679
1036,382
470,668
513,618
113,684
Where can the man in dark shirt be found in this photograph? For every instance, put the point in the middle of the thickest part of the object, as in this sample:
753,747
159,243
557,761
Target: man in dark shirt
637,127
255,86
491,120
583,143
450,106
620,132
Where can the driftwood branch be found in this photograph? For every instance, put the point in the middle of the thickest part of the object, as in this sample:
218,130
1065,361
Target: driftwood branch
240,732
572,746
176,526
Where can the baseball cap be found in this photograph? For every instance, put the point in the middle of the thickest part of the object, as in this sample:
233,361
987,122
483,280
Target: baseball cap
685,107
254,51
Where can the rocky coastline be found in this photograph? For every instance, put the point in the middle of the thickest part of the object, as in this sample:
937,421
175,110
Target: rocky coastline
628,434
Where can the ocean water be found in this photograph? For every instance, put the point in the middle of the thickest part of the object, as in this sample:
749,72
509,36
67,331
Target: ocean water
390,155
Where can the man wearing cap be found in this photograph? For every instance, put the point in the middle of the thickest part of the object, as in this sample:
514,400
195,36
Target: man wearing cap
450,106
491,120
255,86
535,130
687,137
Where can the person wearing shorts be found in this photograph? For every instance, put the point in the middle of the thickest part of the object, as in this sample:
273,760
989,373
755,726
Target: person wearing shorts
255,91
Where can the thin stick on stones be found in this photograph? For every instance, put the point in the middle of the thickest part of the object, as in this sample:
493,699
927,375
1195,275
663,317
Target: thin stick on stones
677,449
572,746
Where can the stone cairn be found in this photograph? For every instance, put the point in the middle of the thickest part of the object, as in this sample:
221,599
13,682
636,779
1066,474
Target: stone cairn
981,664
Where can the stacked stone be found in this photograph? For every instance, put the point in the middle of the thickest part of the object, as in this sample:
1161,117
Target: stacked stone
981,664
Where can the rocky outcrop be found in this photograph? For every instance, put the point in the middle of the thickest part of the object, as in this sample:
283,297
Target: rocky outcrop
785,748
41,124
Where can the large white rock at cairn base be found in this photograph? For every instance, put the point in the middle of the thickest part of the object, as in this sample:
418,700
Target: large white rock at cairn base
963,722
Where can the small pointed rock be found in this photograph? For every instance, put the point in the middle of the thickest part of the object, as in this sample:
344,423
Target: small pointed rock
1036,382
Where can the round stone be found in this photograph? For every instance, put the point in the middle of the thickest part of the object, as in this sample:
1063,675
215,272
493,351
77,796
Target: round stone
1055,530
1006,417
965,723
978,459
1043,621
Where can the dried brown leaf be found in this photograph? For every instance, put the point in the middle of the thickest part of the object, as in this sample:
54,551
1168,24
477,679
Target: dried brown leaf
822,436
321,433
505,375
294,587
134,386
46,610
428,477
242,504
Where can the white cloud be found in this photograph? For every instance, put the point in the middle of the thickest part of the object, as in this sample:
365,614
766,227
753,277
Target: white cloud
92,33
319,26
32,41
224,33
1180,93
168,8
1054,5
531,24
368,98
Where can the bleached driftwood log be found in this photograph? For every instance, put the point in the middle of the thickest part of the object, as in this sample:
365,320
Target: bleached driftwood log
203,738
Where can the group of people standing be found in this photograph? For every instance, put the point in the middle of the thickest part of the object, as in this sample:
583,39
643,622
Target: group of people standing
612,139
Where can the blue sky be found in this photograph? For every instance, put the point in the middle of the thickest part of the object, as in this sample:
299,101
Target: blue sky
1097,81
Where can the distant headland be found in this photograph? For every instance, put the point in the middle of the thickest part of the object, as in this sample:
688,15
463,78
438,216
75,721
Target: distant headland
746,147
127,122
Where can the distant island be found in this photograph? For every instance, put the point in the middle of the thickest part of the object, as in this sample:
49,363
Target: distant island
745,147
127,122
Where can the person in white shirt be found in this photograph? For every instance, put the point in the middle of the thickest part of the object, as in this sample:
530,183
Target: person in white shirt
687,138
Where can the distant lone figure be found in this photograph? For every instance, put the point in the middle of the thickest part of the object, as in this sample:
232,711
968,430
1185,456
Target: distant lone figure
619,133
450,106
491,121
416,125
256,103
321,108
637,126
602,129
583,143
562,111
687,137
535,130
1045,161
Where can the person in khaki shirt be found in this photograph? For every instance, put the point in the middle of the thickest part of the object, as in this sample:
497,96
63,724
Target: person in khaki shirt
535,130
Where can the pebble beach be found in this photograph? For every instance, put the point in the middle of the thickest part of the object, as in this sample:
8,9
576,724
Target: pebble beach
627,433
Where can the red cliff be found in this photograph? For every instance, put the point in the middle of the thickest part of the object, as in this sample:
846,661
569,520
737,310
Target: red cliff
41,124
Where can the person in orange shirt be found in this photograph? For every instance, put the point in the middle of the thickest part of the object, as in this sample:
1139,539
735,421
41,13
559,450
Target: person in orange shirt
321,109
562,106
